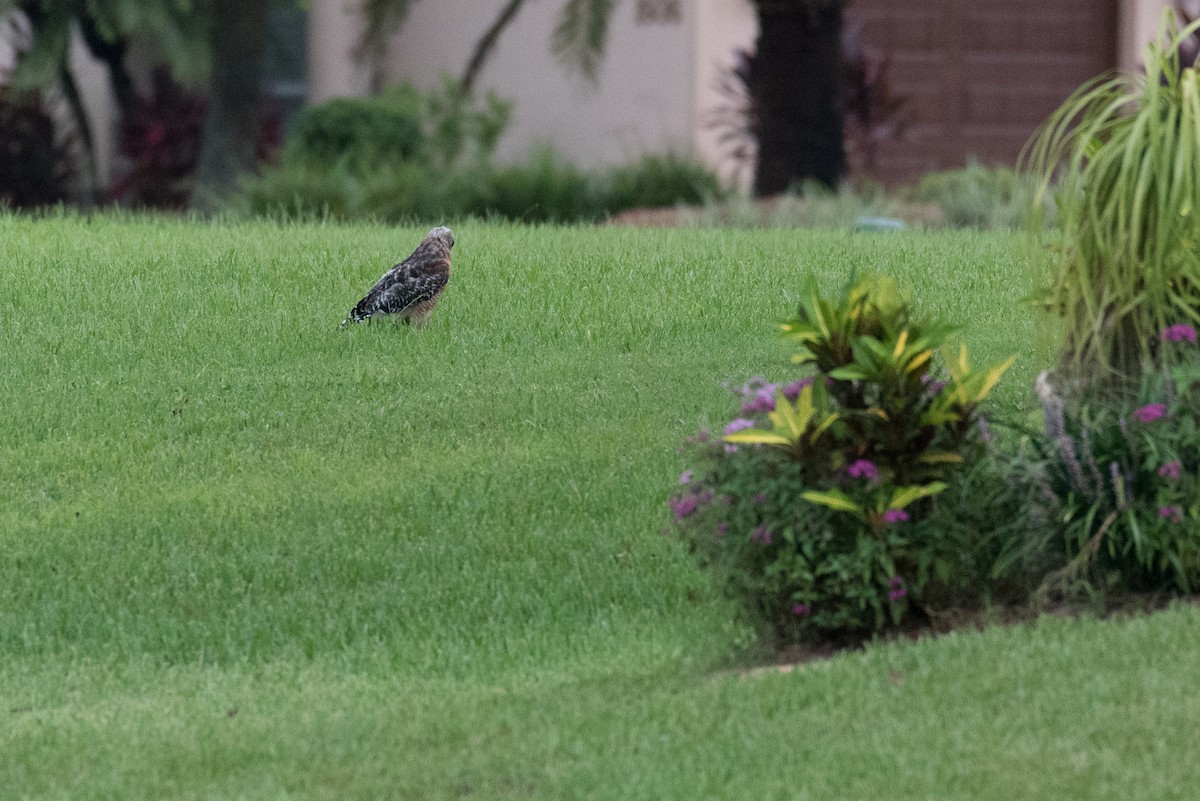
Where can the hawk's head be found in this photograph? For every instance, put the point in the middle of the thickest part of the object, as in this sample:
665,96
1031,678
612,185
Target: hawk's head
442,235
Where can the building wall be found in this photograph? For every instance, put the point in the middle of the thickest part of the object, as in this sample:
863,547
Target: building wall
1139,25
642,102
722,27
333,70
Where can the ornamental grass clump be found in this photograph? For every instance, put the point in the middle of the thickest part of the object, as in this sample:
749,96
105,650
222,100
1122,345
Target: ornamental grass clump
815,503
1123,478
1125,153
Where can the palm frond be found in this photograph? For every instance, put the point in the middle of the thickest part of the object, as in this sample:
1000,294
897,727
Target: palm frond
581,35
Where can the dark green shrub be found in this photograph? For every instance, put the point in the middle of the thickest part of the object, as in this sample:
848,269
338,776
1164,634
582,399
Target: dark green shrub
362,132
444,128
816,505
303,191
546,188
410,192
666,180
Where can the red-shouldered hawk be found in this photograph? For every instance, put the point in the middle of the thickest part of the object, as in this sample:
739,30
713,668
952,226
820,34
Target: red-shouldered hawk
411,288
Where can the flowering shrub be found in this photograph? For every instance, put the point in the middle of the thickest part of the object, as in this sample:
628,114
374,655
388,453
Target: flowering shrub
1123,476
812,504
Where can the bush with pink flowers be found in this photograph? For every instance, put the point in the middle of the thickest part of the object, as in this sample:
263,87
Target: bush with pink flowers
819,502
1123,475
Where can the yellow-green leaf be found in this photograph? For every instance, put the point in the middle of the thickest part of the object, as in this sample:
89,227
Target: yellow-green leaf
903,496
941,458
834,500
757,436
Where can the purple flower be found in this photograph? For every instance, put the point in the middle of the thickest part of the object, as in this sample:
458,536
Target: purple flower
1170,470
895,581
1171,513
897,594
685,477
722,529
895,516
758,498
761,403
793,390
684,506
863,468
1181,332
1150,412
740,424
801,610
761,535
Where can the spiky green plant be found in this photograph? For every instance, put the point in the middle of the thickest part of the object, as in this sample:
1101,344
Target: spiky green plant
1124,151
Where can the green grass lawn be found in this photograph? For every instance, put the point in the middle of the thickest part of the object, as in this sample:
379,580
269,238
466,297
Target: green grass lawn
246,555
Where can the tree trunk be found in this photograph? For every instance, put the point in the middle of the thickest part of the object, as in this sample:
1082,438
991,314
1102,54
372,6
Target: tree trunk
795,84
487,43
238,35
83,128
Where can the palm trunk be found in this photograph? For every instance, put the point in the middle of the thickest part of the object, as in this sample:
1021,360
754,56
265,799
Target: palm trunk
238,35
83,129
795,81
487,43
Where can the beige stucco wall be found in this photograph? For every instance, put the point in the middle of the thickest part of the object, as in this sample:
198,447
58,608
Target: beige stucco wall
722,26
643,101
1138,25
333,33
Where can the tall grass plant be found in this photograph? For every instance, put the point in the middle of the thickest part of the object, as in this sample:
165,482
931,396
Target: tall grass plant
1124,150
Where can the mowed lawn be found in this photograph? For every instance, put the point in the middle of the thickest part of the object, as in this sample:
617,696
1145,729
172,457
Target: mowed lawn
244,554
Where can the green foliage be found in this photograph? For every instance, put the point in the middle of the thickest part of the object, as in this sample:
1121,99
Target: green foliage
460,129
365,132
581,34
1126,153
1123,478
814,514
176,30
546,188
976,196
406,156
441,129
665,180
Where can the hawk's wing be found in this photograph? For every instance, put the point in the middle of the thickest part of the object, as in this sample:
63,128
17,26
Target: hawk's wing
410,282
